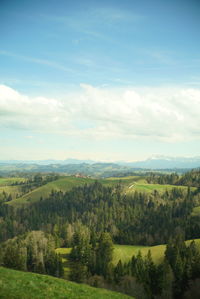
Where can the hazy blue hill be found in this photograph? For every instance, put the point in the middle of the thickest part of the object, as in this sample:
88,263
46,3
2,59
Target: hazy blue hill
167,163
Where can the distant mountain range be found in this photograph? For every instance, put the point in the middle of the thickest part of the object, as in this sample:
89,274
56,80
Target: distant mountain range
47,162
162,162
155,162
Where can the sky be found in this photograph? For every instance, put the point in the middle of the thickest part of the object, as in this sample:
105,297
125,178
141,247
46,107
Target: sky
101,80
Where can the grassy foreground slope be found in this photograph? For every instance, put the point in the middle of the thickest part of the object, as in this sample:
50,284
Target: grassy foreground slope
25,285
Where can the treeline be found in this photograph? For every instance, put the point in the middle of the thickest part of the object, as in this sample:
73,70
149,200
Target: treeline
138,218
191,178
34,251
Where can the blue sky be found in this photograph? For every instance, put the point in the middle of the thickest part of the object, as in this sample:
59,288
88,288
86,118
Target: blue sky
106,80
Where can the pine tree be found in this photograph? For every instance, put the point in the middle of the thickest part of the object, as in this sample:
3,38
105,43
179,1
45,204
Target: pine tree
118,272
105,255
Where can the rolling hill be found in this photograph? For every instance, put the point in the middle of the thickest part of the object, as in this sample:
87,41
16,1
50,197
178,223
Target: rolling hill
129,184
63,184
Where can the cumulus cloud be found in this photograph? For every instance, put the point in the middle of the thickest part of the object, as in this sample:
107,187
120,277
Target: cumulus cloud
165,114
38,113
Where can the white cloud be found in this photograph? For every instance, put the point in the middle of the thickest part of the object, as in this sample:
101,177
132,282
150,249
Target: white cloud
165,114
24,112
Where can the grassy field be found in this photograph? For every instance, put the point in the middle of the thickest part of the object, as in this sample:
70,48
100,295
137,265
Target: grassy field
25,285
125,180
12,190
145,187
125,252
5,186
63,184
64,252
138,183
196,211
9,181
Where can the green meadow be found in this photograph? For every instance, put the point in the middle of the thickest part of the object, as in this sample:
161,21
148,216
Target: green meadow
7,187
9,181
25,285
63,184
64,253
196,211
12,190
145,187
125,252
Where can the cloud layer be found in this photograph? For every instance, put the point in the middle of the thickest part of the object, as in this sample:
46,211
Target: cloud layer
165,114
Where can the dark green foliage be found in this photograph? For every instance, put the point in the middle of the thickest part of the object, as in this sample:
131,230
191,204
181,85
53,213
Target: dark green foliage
138,218
184,262
190,178
118,272
194,290
148,274
104,255
15,255
163,179
79,272
33,252
89,258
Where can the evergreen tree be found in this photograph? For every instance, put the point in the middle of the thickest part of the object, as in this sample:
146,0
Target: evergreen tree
118,272
105,255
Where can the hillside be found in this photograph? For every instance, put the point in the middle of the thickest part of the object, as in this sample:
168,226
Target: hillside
63,184
10,181
21,285
129,184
